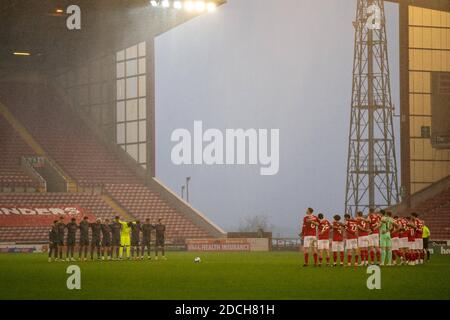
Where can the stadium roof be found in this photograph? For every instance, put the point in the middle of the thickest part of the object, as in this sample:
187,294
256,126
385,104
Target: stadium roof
39,27
35,26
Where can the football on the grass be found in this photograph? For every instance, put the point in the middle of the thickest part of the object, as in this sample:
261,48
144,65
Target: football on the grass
197,260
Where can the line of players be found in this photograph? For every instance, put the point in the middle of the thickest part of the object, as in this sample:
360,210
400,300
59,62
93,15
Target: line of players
379,236
108,239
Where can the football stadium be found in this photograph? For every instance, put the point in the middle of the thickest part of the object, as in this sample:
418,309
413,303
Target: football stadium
92,96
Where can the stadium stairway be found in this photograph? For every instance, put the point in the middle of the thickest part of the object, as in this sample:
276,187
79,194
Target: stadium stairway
117,208
145,203
26,136
98,205
34,145
95,165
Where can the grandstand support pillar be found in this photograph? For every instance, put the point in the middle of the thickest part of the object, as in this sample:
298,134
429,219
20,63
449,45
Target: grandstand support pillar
405,154
151,102
371,163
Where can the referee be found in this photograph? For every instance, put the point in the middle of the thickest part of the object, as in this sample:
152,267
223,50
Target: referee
426,236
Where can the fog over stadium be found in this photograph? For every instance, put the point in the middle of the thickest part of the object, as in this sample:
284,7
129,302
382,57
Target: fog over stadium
213,158
259,64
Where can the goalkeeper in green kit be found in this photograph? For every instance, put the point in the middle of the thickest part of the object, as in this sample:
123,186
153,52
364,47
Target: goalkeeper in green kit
125,239
387,225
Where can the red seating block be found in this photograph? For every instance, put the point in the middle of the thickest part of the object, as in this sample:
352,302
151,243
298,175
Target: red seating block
143,203
13,148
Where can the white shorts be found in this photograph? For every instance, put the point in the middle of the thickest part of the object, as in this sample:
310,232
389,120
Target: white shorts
363,242
324,244
395,243
404,243
337,246
374,240
309,241
412,245
351,244
419,244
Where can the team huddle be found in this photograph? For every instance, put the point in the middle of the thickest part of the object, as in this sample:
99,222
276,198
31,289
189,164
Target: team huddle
108,239
379,237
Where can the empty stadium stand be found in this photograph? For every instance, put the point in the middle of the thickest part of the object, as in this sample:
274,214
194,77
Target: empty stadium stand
436,213
143,203
433,206
24,234
69,143
64,136
12,149
91,204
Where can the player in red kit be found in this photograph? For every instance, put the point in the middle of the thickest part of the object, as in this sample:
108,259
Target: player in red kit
351,244
338,240
418,243
363,239
411,229
309,235
395,237
324,239
404,244
374,236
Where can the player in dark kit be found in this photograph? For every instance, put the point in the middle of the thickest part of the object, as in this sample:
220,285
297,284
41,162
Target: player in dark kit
72,228
96,238
160,238
146,229
135,239
61,228
84,238
53,241
106,240
116,227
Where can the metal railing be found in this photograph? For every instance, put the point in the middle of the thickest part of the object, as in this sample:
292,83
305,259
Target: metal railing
286,244
27,165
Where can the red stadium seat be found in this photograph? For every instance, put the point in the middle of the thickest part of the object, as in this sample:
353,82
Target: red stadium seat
143,203
71,144
436,214
93,205
13,148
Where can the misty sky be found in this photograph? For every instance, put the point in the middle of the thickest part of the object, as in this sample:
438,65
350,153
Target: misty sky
272,65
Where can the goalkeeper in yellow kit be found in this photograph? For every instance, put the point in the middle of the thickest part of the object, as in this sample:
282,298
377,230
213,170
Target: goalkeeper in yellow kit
125,239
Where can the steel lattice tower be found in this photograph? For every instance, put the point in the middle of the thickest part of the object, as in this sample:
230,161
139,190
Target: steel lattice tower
371,164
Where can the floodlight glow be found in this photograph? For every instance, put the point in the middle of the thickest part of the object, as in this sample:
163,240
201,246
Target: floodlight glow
200,6
189,6
178,5
166,4
25,54
154,3
211,7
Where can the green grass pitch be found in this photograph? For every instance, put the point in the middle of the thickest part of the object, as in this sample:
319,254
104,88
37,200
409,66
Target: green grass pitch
219,276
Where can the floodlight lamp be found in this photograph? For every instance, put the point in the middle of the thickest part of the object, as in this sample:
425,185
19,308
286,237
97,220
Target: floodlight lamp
200,6
189,6
178,5
211,7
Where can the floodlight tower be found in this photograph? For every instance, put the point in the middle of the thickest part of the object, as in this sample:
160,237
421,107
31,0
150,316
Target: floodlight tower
371,163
